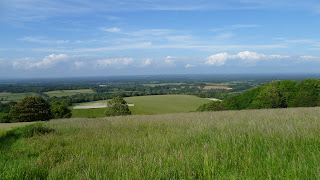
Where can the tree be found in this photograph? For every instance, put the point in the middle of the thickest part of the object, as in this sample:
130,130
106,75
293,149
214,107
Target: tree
60,110
31,109
117,107
212,106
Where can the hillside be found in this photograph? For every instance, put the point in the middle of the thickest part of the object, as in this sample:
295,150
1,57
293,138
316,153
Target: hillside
249,144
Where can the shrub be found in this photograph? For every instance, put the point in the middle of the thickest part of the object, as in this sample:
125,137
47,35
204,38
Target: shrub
117,107
60,110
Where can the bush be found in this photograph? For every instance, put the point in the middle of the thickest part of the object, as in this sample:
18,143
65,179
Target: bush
117,107
31,109
5,118
212,106
60,110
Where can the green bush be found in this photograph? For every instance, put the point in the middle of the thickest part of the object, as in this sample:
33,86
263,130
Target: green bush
117,107
60,110
212,106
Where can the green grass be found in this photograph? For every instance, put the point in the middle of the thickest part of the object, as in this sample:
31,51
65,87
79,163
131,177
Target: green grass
255,144
159,104
15,96
165,104
67,92
92,113
4,127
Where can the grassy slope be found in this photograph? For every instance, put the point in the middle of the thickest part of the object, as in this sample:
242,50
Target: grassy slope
68,92
4,127
149,105
256,144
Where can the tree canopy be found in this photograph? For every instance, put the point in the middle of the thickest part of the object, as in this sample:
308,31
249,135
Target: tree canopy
31,109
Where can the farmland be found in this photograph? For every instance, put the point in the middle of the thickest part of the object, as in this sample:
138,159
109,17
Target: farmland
67,92
14,96
148,105
249,144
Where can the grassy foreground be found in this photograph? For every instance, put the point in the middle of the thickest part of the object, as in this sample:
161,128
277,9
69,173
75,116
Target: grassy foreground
255,144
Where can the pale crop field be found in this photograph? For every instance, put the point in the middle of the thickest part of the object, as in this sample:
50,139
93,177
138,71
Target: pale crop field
251,144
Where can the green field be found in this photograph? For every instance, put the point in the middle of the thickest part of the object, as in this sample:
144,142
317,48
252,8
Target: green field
159,104
162,84
255,144
68,92
14,96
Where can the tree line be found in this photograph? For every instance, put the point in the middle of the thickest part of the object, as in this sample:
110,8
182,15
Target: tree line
277,94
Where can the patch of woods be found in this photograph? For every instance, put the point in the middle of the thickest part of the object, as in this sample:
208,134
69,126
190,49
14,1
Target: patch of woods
277,94
33,109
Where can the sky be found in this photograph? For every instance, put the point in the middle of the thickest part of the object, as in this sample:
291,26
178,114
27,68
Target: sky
82,38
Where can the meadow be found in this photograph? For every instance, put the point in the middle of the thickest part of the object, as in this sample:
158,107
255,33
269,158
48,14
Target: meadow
68,92
158,104
249,144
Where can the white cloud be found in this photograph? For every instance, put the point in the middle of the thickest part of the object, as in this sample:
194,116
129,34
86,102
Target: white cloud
42,40
189,66
147,62
46,62
237,26
225,35
245,56
79,64
112,30
217,59
113,62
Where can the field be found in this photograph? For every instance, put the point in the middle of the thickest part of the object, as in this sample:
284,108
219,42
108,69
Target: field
148,105
14,96
255,144
217,87
162,84
67,92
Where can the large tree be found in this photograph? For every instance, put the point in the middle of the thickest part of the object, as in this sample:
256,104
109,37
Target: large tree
31,109
117,107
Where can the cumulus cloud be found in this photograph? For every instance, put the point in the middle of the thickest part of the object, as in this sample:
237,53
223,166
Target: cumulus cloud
189,66
113,62
79,64
147,62
46,62
245,56
217,59
170,61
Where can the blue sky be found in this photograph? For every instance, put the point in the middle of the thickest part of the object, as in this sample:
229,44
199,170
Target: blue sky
63,38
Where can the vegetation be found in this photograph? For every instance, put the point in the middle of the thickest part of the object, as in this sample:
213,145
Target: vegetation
277,94
212,106
31,109
60,110
117,107
255,144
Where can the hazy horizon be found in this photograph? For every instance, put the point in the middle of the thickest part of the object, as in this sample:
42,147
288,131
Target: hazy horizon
122,38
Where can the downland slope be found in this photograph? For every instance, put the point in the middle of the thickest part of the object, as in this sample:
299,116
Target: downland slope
248,144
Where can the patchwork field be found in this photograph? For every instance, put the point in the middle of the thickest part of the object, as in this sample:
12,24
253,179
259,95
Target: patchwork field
217,87
68,92
255,144
14,96
147,105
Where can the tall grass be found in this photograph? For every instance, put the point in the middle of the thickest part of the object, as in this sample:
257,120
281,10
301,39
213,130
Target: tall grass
256,144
